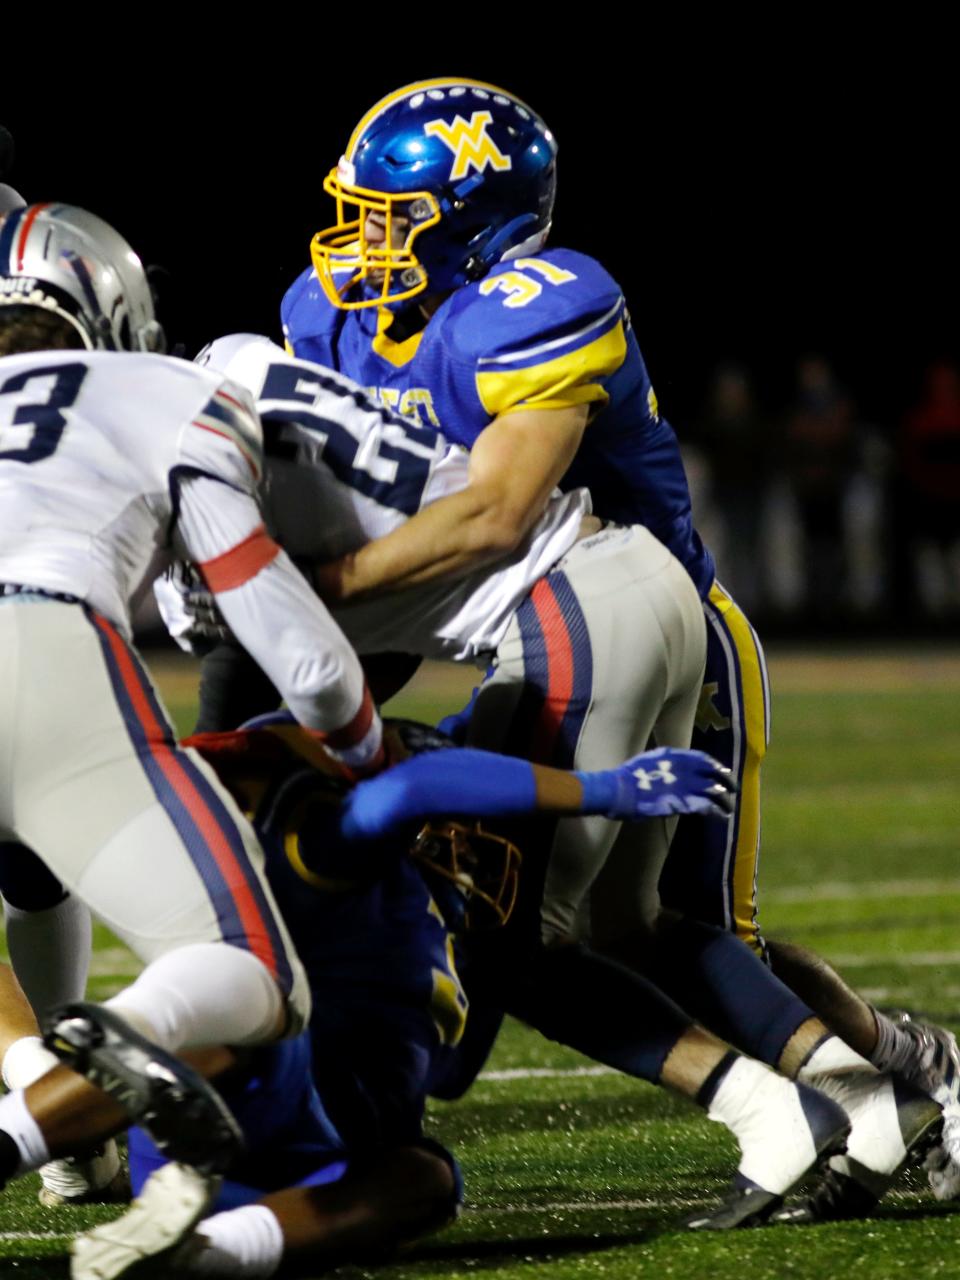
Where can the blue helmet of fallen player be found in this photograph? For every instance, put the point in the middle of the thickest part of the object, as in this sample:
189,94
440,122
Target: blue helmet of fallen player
440,180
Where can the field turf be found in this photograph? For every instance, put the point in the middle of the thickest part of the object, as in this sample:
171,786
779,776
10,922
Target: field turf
588,1174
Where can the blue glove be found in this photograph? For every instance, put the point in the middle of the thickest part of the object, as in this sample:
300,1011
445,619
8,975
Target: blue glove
658,783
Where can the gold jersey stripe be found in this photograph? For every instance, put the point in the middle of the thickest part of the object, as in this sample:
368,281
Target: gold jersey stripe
567,380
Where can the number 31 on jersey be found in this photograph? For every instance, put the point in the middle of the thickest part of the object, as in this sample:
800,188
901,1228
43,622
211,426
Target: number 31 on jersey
522,286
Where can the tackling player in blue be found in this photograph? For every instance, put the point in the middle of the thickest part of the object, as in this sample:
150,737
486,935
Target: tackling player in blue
435,289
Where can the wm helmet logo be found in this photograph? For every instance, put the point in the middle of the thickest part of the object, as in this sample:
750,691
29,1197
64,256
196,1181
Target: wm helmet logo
468,141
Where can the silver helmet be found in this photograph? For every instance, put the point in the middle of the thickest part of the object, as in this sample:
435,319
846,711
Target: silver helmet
72,263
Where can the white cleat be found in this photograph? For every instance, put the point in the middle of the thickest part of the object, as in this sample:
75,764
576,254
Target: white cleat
889,1123
97,1179
172,1202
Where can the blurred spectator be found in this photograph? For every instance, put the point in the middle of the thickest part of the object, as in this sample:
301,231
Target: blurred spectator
820,459
736,439
927,524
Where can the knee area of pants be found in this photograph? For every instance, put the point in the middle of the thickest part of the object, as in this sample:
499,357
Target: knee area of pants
433,1173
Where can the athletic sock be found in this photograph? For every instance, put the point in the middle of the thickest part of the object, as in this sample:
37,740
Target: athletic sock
765,1115
833,1056
894,1049
245,1242
25,1061
19,1125
50,952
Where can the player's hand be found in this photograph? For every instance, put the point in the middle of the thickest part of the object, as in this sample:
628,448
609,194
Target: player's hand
670,780
189,610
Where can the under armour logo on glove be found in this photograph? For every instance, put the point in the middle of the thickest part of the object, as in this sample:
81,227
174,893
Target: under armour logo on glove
662,773
661,782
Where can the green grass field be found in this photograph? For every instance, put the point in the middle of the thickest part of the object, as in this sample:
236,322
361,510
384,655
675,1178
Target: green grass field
588,1173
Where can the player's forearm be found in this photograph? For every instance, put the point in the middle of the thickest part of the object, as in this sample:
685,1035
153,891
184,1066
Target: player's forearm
457,783
515,464
451,538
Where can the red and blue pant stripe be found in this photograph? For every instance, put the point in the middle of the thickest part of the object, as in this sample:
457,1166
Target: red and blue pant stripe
207,829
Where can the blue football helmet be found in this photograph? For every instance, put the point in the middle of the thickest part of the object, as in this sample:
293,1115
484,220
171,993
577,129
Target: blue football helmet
440,180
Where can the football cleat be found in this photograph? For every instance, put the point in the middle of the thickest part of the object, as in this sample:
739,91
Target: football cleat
943,1160
891,1124
814,1127
141,1241
98,1178
182,1112
936,1067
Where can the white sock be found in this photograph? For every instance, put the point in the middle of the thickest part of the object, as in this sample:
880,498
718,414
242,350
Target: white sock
831,1057
16,1120
763,1112
50,952
26,1061
204,994
242,1242
894,1049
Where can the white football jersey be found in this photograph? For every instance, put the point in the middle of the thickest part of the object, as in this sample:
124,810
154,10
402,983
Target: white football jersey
93,449
341,470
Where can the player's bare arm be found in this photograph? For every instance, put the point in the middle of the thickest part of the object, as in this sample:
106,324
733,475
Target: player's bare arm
515,464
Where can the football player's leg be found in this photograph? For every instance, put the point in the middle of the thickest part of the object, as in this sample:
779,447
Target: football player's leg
143,833
92,1175
384,1201
48,930
591,657
711,872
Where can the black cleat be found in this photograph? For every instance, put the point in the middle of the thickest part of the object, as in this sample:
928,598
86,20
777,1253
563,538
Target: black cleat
836,1198
182,1112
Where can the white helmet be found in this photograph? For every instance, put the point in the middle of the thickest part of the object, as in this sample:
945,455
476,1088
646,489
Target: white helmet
65,260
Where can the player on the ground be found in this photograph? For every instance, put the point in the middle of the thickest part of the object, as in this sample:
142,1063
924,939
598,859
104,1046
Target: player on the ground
386,998
331,451
113,462
435,291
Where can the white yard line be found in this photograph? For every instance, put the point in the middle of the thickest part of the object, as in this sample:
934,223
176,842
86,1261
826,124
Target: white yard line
546,1073
897,959
668,1202
35,1235
844,890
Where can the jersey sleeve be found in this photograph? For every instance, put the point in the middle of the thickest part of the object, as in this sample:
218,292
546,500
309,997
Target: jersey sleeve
223,439
276,616
543,333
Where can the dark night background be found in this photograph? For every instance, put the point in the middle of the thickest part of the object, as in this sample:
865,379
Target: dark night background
753,203
758,192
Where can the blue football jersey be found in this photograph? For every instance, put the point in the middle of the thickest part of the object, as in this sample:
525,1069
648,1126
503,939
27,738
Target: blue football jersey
545,332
